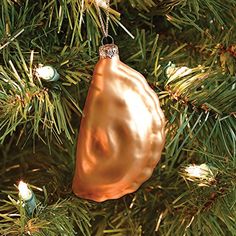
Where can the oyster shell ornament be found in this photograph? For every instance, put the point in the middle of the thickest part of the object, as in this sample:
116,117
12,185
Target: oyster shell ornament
121,134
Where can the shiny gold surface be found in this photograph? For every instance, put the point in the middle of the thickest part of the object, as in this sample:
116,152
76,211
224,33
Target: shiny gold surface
121,134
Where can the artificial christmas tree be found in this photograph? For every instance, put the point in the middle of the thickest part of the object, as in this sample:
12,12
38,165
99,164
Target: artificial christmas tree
185,50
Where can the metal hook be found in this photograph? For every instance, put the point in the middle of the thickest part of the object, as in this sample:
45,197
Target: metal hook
107,40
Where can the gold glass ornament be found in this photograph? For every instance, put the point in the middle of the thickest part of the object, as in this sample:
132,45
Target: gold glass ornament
121,134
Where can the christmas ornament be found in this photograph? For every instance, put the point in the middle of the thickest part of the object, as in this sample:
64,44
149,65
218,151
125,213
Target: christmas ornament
121,133
47,73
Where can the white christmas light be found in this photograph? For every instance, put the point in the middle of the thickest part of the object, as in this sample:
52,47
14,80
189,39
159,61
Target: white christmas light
27,197
202,173
24,191
195,171
173,72
101,3
47,73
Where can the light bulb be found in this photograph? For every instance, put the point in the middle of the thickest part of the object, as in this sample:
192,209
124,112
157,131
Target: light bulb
101,3
28,198
201,172
24,191
47,73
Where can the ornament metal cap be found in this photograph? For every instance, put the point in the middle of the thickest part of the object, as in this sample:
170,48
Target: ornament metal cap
108,51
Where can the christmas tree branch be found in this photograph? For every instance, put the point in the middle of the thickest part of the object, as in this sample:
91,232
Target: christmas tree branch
56,209
35,107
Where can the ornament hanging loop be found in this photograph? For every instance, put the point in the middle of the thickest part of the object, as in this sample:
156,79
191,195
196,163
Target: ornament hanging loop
107,40
104,27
